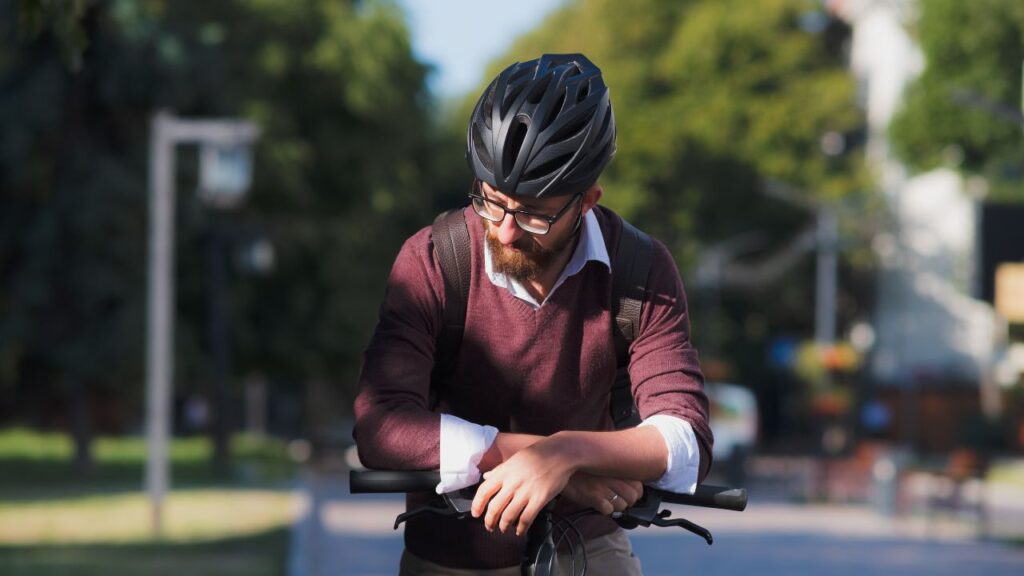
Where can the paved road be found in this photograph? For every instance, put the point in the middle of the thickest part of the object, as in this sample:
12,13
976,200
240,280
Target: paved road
352,536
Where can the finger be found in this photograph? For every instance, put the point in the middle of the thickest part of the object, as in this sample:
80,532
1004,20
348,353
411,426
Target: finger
617,502
512,512
596,498
484,493
626,491
496,507
529,515
593,492
638,488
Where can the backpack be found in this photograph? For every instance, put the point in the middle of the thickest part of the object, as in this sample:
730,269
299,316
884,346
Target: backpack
631,261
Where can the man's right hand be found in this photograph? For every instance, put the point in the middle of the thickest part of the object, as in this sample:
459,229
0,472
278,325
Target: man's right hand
598,492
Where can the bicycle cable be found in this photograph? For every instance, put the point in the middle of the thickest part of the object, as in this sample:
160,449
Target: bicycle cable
569,531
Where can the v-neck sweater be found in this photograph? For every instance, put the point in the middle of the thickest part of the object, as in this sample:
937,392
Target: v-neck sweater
519,369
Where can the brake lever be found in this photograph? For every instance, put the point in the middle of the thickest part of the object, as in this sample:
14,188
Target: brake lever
456,504
643,513
461,501
663,521
648,511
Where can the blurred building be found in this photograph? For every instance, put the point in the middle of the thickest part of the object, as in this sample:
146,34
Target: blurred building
934,329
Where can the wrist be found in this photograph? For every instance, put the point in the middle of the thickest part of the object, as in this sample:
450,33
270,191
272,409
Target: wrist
504,446
571,449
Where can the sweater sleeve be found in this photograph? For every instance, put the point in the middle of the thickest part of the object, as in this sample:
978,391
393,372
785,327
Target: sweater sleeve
664,367
394,426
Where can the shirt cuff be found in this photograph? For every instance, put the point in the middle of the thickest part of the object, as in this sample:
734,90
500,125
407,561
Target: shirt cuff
462,446
683,465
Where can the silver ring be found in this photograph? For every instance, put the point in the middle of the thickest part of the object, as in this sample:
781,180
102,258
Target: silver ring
613,498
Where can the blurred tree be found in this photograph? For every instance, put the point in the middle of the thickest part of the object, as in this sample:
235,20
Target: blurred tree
62,20
338,175
714,100
343,157
964,109
72,222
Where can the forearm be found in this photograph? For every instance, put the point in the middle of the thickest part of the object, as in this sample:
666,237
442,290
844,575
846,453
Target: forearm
504,446
633,454
662,452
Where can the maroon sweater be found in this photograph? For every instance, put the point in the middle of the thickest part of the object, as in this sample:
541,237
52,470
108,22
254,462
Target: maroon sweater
519,370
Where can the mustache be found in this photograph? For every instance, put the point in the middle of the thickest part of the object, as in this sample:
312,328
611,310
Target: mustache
527,245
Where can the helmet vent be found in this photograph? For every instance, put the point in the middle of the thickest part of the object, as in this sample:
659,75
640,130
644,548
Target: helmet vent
570,129
538,89
513,144
605,125
547,168
513,93
481,149
552,112
587,168
520,74
583,93
488,106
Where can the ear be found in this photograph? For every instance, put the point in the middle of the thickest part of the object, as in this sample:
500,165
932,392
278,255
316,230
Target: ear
591,197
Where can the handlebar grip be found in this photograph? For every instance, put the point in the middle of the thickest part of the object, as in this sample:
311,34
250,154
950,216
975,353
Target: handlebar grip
366,481
711,497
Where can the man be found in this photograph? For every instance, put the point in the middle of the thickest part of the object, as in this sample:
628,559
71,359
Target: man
526,405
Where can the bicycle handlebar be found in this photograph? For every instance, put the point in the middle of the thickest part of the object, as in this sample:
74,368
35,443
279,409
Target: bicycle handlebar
709,496
367,481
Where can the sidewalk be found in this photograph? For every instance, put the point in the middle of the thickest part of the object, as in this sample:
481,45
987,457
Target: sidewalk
341,534
337,533
782,479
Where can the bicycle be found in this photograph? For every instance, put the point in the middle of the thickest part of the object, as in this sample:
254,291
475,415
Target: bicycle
540,552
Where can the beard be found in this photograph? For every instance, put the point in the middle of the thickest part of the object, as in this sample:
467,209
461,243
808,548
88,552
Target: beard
531,259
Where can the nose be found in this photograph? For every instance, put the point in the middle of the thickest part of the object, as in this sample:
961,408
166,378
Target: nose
509,231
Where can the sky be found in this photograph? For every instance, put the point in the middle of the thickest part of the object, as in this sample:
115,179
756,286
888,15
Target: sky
460,37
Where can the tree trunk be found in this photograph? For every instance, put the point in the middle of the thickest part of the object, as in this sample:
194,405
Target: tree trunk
81,425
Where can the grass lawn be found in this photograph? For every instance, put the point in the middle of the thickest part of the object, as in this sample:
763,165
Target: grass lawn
52,522
40,463
261,554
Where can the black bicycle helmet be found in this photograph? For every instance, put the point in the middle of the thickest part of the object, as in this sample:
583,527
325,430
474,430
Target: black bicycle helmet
543,128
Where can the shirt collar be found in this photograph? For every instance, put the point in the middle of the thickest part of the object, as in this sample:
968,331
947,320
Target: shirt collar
591,246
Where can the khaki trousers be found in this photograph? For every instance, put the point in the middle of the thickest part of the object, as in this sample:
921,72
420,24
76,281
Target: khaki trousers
609,555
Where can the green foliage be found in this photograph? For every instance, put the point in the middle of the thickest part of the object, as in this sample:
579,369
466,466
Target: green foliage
344,149
712,99
956,111
62,18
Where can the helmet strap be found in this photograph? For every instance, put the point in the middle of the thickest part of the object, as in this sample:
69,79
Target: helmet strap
579,218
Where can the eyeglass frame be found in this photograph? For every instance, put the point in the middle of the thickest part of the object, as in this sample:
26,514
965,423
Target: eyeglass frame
549,219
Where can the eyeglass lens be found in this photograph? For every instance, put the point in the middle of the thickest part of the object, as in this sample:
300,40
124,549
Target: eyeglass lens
496,213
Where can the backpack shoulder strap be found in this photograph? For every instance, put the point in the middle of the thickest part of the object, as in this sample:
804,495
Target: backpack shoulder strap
452,247
631,264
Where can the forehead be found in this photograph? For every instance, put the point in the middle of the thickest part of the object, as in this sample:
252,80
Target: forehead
527,202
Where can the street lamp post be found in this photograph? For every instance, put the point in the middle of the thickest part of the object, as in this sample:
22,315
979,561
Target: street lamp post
225,142
826,284
826,277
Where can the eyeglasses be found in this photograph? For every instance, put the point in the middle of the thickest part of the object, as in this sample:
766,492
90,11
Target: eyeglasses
531,222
